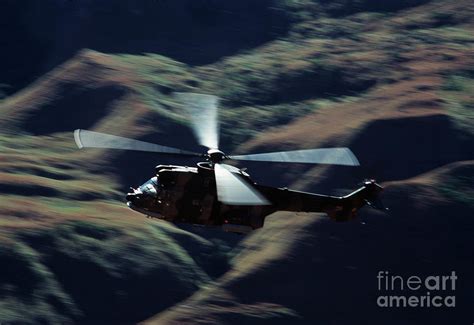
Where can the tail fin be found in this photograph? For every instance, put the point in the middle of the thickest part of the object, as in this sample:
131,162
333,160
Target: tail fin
368,194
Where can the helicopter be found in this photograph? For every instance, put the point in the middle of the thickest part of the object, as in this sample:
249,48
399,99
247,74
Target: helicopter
218,194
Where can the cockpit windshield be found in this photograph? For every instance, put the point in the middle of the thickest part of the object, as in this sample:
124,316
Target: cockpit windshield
150,187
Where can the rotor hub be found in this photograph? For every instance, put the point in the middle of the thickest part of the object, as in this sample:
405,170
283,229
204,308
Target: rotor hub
215,155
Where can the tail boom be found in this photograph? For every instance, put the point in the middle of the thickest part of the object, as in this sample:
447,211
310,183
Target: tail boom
338,208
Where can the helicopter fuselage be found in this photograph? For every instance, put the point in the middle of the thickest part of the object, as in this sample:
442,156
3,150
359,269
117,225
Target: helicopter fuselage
183,194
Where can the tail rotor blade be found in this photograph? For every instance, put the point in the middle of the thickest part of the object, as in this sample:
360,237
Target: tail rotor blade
202,110
232,190
91,139
333,156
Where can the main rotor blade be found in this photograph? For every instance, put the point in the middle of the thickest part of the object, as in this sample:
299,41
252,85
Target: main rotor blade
91,139
334,156
202,110
232,190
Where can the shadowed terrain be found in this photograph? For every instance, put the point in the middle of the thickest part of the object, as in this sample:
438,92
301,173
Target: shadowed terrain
392,82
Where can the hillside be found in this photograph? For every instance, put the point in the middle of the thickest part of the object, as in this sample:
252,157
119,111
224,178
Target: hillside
394,83
303,268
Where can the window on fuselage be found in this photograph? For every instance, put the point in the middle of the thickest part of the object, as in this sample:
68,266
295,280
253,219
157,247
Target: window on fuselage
151,187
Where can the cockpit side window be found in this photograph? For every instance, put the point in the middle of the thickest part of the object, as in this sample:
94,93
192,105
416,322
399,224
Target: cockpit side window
151,186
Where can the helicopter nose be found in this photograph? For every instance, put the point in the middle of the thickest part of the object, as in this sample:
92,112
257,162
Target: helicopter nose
131,197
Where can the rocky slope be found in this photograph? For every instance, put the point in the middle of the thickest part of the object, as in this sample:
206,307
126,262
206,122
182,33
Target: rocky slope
393,83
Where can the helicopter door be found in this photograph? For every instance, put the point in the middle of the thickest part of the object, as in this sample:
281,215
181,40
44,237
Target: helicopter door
168,205
207,204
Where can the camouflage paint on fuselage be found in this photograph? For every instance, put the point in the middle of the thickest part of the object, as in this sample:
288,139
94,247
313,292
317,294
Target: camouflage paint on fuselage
188,195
